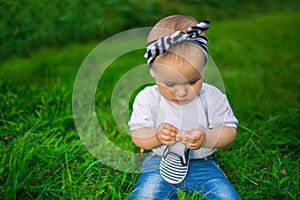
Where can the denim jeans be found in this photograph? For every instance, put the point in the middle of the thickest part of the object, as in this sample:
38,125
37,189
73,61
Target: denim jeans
204,176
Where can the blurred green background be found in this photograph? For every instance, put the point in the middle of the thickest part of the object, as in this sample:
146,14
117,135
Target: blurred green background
27,25
255,45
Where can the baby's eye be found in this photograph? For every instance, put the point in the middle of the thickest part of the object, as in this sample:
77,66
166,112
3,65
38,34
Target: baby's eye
169,84
193,82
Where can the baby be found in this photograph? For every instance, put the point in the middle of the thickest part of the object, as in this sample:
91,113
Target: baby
181,119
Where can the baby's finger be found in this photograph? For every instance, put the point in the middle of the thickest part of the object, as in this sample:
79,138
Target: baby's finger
192,146
167,133
167,140
186,138
171,128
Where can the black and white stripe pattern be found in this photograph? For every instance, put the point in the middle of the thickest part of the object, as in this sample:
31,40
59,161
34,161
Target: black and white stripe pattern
174,163
161,45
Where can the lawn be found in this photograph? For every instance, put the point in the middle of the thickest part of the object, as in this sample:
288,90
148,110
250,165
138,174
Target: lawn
43,157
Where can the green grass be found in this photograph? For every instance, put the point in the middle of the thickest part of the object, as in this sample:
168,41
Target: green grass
42,156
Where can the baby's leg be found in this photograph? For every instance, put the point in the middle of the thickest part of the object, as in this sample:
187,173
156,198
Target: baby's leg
220,189
150,184
206,177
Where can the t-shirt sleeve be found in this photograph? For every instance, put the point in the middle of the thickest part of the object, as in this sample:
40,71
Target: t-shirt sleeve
220,111
144,109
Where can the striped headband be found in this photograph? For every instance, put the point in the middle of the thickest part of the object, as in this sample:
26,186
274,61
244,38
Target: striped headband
161,45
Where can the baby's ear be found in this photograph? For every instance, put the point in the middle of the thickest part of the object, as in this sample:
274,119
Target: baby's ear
152,72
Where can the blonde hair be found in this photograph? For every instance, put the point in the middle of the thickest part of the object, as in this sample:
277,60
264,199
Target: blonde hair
168,25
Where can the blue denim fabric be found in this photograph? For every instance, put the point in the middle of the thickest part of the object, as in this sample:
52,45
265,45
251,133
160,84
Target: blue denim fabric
204,176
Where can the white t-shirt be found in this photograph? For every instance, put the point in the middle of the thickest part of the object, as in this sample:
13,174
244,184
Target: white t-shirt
209,109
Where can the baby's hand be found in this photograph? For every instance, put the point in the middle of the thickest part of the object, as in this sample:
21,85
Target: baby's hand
192,139
166,133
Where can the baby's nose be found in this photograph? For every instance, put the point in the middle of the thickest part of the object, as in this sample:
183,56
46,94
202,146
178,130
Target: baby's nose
181,91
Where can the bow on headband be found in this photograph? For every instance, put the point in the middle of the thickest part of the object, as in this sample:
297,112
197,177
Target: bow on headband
161,45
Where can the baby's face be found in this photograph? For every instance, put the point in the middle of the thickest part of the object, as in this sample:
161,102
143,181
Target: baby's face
179,82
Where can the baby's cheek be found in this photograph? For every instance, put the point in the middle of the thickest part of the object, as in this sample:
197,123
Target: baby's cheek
197,87
166,92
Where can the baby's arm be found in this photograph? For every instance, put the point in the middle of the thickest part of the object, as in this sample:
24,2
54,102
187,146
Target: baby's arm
220,136
148,138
